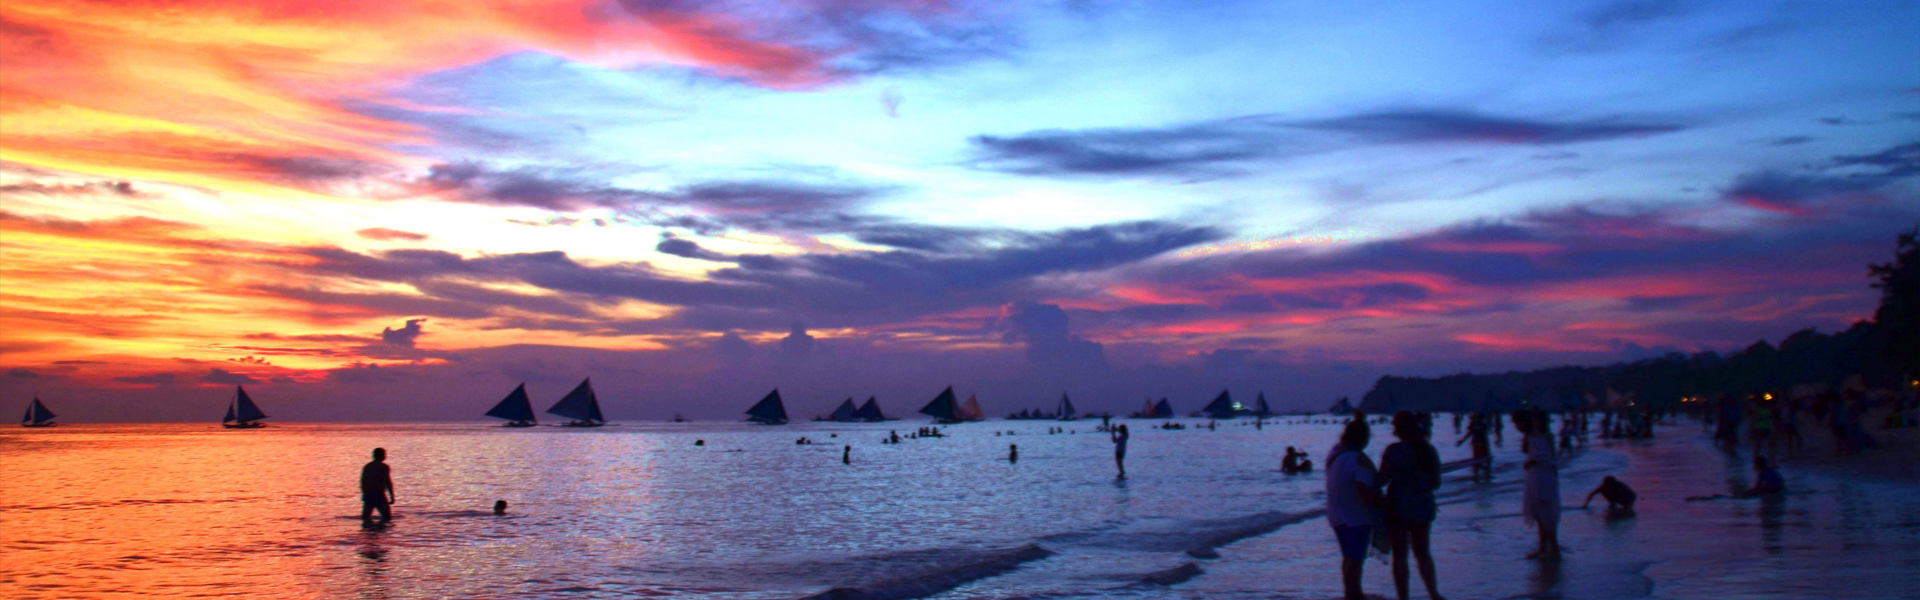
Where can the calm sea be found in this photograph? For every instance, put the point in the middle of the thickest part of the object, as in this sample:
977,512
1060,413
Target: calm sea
637,510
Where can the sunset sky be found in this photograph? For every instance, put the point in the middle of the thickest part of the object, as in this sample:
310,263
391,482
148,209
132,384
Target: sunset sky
398,209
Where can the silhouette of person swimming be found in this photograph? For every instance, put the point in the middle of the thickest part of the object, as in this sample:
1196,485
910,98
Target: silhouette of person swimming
499,507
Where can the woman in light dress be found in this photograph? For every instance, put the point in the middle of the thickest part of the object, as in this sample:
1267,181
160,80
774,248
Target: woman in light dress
1540,502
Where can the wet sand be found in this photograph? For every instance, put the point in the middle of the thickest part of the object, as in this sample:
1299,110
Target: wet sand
1848,528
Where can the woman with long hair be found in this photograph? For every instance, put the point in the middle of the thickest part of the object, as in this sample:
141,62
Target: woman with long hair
1540,500
1410,469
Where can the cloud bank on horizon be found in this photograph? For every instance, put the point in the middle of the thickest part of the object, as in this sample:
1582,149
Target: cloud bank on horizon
398,209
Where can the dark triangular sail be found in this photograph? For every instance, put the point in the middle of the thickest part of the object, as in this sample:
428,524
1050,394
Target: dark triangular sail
37,413
515,407
845,412
870,412
1260,407
942,407
581,404
1163,409
1221,407
1066,408
243,409
768,410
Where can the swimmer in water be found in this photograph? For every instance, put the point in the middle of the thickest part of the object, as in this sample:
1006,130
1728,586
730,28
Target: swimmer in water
499,507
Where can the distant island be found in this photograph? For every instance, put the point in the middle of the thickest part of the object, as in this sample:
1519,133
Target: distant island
1883,352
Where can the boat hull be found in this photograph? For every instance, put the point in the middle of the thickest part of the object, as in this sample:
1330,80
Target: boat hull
517,425
38,424
582,424
243,425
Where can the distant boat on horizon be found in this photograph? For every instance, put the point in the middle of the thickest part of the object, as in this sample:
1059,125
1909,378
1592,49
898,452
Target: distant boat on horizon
870,412
37,415
516,408
1163,410
581,407
846,413
971,410
1066,409
1222,407
945,408
242,413
770,410
1260,408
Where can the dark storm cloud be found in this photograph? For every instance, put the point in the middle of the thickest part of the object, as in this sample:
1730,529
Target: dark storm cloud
1216,147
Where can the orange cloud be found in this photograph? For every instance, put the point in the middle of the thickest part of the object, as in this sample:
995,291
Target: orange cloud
248,95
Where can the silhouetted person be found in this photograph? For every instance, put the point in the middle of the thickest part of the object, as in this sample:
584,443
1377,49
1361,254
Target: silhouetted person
1119,436
1352,497
846,456
1410,469
1540,497
376,488
1482,451
1618,495
1766,480
1013,453
895,435
499,507
699,442
1499,431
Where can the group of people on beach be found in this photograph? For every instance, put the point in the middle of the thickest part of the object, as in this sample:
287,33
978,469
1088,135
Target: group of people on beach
1391,507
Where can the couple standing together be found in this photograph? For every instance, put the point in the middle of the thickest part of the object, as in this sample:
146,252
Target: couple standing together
1410,472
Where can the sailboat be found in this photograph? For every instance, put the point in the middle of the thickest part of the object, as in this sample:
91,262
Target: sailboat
971,410
769,410
581,407
1066,409
870,412
1222,407
846,413
515,408
242,413
37,415
1260,408
944,409
1343,407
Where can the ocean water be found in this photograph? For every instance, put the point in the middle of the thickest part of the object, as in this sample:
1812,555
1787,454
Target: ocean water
637,510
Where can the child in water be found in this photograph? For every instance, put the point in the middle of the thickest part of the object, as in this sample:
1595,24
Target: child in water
1618,495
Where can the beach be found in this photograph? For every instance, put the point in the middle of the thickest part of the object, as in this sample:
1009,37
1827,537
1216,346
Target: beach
637,510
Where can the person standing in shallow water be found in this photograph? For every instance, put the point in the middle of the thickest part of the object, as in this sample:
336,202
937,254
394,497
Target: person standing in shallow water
1119,436
1410,469
1540,498
1352,497
376,488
